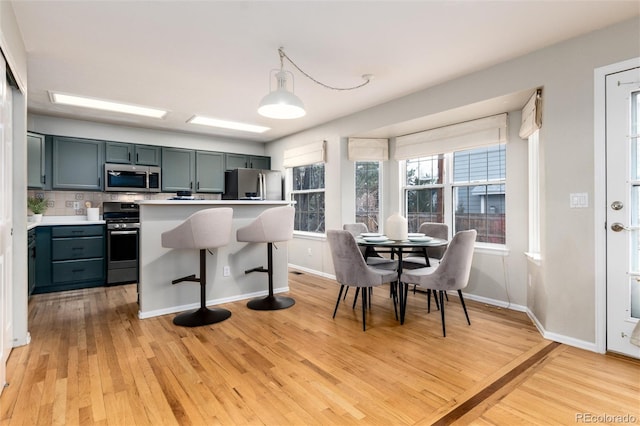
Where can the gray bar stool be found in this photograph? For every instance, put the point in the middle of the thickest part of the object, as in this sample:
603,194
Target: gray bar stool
272,225
206,229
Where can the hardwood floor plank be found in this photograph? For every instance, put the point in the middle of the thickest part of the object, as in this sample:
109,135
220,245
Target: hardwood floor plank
93,362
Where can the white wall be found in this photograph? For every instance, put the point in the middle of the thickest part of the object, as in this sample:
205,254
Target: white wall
561,294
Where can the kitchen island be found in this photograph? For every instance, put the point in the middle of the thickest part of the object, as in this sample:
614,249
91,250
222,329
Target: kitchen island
159,265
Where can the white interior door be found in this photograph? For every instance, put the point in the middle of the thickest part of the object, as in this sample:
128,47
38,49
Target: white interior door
623,209
6,224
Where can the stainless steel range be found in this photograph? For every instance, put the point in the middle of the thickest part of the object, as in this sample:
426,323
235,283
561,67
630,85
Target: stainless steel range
123,226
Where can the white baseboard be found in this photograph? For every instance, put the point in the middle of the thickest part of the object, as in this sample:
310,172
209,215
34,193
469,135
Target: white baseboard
24,340
312,271
567,340
493,302
211,302
560,338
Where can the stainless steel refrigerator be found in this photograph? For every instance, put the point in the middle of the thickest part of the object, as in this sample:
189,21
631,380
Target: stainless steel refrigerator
252,184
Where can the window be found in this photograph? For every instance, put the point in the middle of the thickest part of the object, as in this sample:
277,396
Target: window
367,181
479,192
465,189
308,193
425,184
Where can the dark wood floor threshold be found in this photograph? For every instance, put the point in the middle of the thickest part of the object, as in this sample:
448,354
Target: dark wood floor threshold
492,388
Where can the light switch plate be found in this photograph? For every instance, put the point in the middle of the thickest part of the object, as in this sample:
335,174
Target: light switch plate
578,200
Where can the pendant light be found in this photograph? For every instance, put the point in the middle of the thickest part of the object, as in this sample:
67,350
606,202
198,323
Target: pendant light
283,104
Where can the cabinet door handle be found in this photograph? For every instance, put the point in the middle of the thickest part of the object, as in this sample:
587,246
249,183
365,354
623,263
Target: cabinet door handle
137,157
129,156
198,186
43,179
77,270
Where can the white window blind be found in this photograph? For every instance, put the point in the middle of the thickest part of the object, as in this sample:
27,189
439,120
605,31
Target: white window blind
470,134
364,149
531,115
303,155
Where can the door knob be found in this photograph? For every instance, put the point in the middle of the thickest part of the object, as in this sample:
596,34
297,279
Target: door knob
617,227
617,205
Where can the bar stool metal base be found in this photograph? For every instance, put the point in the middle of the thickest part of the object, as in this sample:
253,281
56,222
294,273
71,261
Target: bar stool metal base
201,316
270,303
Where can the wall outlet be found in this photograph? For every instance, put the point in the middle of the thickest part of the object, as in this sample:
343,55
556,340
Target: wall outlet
226,271
309,252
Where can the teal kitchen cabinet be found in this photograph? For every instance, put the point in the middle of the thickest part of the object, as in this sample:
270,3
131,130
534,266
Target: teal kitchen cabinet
69,257
209,171
31,258
190,170
178,169
36,164
77,164
128,153
241,161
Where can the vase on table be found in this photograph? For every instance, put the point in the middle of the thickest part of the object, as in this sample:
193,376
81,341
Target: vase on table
396,227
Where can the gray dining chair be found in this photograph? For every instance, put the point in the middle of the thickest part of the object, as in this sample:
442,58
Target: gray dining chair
351,269
452,273
417,259
370,254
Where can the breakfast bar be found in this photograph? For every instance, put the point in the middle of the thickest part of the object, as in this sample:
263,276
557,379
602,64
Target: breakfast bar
227,281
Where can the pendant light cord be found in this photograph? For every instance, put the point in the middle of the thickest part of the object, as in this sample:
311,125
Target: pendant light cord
367,77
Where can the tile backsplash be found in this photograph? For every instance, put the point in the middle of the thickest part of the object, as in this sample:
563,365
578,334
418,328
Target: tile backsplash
70,203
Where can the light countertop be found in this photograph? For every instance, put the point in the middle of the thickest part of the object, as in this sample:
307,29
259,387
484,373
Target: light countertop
211,202
63,220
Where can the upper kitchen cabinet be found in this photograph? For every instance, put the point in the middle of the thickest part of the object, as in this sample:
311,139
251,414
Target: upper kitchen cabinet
36,172
190,170
178,169
77,163
240,161
209,171
127,153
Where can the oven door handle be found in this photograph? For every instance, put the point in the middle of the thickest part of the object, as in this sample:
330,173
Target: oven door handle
123,232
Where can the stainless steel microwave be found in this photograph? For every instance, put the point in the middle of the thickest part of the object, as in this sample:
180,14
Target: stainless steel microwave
131,178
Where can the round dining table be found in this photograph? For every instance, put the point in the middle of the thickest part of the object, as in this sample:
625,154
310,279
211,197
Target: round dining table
398,247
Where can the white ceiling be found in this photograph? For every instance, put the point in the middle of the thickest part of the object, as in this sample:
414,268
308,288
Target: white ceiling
213,57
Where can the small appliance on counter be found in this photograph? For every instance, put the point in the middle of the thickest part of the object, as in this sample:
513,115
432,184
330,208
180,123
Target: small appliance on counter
183,195
252,184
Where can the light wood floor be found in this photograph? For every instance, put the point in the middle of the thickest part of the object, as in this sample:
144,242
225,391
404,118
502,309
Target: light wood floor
91,361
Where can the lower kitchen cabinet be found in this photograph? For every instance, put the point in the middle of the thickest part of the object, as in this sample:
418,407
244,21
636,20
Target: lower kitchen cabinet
69,257
31,259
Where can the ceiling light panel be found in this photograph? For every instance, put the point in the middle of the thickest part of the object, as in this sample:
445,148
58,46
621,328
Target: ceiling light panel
224,124
101,104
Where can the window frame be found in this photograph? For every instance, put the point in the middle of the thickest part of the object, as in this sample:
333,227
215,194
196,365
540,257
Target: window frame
293,192
448,187
380,200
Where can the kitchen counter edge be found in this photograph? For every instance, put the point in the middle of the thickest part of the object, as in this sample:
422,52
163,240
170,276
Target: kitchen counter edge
64,220
212,202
